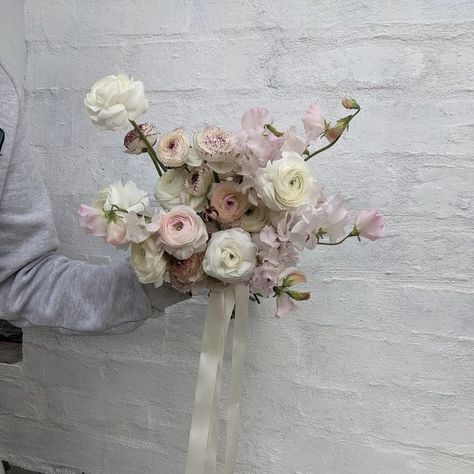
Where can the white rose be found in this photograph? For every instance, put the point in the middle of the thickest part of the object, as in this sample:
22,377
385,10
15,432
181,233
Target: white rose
114,100
285,184
149,262
231,256
170,191
121,197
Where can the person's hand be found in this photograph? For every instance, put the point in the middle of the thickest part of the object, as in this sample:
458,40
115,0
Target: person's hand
164,296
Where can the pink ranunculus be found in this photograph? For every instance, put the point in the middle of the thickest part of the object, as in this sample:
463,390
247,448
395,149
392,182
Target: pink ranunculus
93,220
313,122
370,224
184,274
183,232
229,202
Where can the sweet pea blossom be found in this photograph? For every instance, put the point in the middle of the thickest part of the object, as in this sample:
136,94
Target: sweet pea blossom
114,100
231,256
252,122
183,232
264,278
369,224
313,122
289,277
285,184
109,215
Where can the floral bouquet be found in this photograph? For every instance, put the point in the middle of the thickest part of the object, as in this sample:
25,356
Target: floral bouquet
235,210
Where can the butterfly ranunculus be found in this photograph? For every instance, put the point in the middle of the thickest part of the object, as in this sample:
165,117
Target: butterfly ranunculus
214,145
134,143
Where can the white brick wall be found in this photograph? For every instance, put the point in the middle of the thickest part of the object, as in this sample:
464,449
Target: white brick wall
374,374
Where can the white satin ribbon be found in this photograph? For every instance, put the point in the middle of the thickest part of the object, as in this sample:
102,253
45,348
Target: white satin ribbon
203,435
238,352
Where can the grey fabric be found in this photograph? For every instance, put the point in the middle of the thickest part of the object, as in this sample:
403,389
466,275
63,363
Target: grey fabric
38,287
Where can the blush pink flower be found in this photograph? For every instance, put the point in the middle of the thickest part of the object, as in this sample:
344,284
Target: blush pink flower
313,122
253,122
285,305
263,280
183,232
229,202
370,224
96,222
93,220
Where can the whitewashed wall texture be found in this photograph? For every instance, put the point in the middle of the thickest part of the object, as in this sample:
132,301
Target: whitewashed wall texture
374,374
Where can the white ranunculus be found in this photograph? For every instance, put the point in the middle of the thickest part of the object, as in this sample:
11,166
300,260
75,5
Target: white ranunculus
285,184
149,262
173,148
256,218
231,256
170,191
122,197
114,100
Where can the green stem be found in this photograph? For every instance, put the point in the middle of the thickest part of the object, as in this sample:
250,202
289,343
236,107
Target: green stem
336,243
160,167
272,129
329,145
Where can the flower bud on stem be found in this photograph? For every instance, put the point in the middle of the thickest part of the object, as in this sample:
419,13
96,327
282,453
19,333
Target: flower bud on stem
160,167
334,133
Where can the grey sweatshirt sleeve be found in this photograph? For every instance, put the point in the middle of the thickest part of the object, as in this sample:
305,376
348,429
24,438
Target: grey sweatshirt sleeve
40,288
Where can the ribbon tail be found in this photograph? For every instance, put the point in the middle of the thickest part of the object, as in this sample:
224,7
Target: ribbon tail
203,434
238,351
211,449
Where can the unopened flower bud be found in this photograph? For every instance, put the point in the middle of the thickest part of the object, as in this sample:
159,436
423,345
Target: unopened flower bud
350,103
334,132
294,278
298,295
134,144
